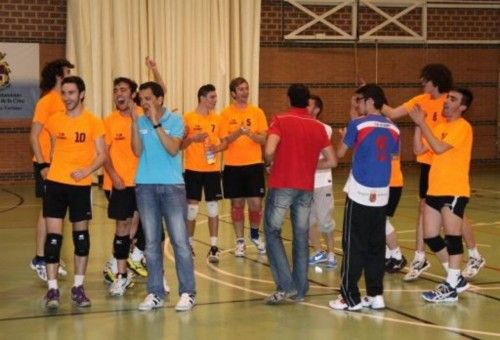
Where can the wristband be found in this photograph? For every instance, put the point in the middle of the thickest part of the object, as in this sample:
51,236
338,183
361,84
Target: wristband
41,166
157,126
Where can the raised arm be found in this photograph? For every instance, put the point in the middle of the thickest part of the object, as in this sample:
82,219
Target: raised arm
153,67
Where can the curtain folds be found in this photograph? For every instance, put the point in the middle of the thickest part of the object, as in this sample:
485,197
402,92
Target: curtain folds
194,42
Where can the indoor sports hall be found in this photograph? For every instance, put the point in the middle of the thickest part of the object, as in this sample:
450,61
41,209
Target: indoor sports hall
331,46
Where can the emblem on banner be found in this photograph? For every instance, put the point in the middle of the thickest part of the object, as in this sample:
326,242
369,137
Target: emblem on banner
4,71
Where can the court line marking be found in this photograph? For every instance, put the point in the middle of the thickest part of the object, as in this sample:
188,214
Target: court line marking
260,293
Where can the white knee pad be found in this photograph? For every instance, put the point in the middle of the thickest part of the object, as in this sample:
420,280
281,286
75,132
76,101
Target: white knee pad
192,212
389,229
212,209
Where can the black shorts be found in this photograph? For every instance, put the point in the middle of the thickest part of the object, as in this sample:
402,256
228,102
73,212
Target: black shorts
455,203
208,181
244,181
39,181
424,179
59,197
394,197
122,204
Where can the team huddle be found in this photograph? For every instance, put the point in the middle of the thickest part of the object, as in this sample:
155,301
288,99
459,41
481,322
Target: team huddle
159,165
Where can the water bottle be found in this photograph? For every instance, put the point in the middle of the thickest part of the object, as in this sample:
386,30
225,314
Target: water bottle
209,154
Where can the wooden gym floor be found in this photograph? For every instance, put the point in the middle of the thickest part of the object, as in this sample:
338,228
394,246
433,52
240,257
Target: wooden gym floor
230,294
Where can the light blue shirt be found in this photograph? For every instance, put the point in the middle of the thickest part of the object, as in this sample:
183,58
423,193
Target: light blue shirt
156,165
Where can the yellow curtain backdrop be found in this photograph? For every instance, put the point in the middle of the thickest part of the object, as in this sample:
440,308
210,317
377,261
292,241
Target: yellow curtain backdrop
194,42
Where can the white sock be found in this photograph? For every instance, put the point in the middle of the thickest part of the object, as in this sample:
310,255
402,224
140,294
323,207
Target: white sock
419,256
446,267
331,256
452,277
240,240
136,254
396,253
473,252
213,241
191,241
52,284
78,280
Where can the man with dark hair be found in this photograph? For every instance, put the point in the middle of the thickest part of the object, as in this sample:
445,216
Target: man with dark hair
119,183
436,81
373,139
449,189
293,146
243,127
50,102
161,195
202,164
321,219
78,150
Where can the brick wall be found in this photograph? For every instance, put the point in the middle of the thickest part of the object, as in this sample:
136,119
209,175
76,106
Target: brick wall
28,21
331,70
38,21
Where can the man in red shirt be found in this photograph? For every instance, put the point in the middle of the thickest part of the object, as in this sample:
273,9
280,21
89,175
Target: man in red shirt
295,141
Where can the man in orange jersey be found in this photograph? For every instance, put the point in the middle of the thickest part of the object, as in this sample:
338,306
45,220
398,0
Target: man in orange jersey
202,165
449,189
136,260
78,149
50,102
244,129
436,81
121,167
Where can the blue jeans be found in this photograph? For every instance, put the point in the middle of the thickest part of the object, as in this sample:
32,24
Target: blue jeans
278,202
157,202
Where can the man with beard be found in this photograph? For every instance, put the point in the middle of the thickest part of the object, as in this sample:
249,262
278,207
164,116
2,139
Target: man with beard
78,149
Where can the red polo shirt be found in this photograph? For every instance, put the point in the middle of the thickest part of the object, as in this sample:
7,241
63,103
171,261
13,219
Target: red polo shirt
301,140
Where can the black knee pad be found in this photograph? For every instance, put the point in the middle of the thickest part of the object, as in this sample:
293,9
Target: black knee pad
81,240
52,248
436,244
121,247
454,244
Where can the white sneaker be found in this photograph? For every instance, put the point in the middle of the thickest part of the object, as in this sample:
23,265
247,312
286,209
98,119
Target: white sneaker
239,251
473,266
260,245
62,268
373,302
165,285
119,285
416,268
186,303
341,304
151,302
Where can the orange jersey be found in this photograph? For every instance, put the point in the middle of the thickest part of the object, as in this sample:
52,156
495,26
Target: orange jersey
74,146
433,109
449,174
119,143
195,158
243,150
45,107
396,173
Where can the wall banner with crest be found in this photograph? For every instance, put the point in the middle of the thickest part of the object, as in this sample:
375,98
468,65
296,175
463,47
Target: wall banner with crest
19,77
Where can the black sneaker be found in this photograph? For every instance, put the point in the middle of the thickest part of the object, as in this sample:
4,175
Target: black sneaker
213,254
394,266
